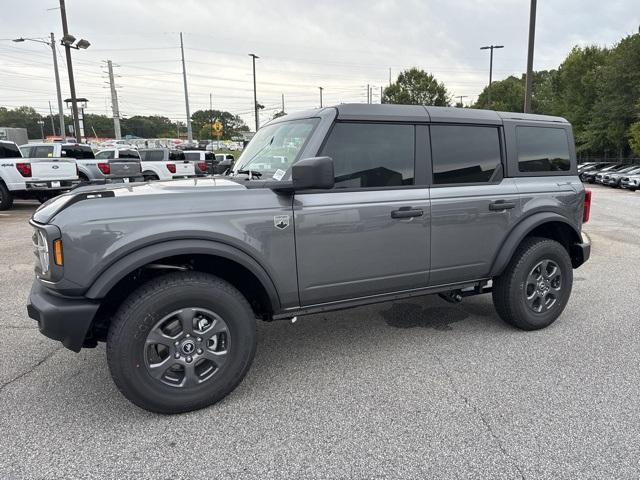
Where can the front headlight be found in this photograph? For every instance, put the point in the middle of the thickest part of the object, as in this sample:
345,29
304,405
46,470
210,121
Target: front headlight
41,247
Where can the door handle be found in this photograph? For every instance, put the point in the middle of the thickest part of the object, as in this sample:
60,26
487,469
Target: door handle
407,212
500,205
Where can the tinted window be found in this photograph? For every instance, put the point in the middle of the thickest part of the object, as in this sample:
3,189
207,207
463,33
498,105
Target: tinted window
192,155
542,149
176,155
371,155
464,154
128,154
42,152
105,154
77,152
9,150
152,155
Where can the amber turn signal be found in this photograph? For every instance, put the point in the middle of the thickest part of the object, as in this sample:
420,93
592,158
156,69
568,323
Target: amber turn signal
57,252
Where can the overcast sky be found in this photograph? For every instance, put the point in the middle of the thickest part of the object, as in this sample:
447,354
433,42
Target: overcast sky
339,45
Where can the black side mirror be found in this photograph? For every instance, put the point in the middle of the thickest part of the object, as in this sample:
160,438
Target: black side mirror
310,173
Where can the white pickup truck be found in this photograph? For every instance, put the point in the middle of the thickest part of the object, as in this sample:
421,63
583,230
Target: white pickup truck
165,164
39,178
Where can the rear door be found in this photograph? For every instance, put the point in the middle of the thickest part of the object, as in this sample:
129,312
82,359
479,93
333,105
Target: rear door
473,206
370,234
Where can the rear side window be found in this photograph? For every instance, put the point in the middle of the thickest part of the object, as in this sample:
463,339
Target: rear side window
152,155
176,155
78,152
128,154
372,155
464,154
42,152
105,154
9,150
543,149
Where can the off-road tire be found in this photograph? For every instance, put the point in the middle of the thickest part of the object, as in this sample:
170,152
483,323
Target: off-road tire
509,289
146,306
6,199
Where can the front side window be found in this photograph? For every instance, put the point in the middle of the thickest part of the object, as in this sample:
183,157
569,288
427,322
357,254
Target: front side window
275,147
542,149
367,155
464,154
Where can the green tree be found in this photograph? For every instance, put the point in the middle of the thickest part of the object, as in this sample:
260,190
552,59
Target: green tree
634,138
506,95
232,124
22,117
417,87
618,95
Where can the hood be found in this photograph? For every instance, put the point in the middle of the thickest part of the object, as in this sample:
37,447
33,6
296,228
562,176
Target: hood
151,190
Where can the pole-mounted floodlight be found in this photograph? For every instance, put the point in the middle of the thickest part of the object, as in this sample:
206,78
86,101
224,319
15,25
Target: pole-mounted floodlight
492,48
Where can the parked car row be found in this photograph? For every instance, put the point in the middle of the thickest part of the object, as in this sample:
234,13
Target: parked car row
612,174
44,170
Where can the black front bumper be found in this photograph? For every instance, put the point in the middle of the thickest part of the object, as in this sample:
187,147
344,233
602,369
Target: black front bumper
65,319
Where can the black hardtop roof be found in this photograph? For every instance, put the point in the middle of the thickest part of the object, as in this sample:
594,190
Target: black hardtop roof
418,113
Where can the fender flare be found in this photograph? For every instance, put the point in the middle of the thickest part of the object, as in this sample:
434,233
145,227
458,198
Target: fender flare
520,231
84,170
115,272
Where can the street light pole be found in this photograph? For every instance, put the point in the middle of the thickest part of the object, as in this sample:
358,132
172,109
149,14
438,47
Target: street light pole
41,123
320,96
490,47
186,93
532,37
461,97
255,94
58,90
72,84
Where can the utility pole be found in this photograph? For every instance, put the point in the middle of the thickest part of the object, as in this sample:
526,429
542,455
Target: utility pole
72,83
53,127
41,123
490,47
283,103
380,94
389,76
58,91
186,93
211,113
320,96
255,94
368,93
461,97
115,110
532,37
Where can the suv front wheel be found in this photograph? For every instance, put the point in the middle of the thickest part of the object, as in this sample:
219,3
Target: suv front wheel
181,342
535,287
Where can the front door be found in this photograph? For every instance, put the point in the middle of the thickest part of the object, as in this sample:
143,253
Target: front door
370,234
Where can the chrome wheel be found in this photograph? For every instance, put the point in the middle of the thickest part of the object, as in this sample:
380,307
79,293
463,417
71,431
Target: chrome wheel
543,286
187,347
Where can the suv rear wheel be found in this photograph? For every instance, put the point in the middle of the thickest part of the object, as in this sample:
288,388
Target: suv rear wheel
535,287
181,342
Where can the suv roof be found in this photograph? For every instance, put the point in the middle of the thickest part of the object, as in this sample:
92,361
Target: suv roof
419,113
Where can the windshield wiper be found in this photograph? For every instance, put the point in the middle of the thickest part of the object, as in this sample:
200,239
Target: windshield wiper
251,173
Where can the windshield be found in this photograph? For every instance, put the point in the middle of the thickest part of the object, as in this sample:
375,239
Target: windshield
275,147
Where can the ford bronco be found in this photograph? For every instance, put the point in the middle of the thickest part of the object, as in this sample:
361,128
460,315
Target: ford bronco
327,209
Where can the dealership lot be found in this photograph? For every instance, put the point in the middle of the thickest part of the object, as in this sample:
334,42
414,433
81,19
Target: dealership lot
407,389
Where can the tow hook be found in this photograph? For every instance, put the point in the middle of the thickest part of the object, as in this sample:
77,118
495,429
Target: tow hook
454,296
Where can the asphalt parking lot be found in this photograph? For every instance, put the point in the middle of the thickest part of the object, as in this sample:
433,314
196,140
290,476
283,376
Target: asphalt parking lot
413,389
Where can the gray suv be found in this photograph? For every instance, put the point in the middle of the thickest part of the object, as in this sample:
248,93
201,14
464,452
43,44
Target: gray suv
325,210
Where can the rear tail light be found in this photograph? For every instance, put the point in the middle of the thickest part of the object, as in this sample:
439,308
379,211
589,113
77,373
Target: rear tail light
586,213
171,167
24,169
104,168
202,166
